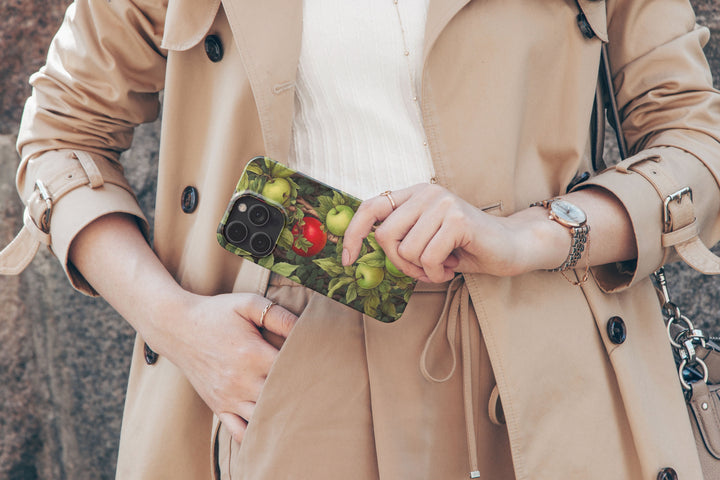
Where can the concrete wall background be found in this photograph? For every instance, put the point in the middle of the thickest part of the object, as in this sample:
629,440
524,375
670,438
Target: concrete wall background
64,357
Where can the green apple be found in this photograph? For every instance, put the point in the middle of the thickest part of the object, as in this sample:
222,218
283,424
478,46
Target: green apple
369,277
392,269
277,190
338,219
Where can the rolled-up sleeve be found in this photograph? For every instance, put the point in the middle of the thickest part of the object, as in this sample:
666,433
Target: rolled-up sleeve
102,78
671,117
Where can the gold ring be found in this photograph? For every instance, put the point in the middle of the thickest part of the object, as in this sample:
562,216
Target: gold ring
264,312
388,194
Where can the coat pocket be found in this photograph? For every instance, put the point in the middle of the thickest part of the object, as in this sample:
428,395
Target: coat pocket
187,22
318,384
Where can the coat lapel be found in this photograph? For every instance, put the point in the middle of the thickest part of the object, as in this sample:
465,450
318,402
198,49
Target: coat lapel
439,14
267,34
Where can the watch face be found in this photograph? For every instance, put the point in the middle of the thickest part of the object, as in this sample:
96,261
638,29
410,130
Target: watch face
567,213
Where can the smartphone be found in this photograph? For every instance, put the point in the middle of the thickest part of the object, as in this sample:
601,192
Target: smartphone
293,225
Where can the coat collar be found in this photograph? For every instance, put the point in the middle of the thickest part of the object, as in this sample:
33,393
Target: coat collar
268,35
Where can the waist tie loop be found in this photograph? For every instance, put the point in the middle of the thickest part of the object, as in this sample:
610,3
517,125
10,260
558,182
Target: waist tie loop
457,310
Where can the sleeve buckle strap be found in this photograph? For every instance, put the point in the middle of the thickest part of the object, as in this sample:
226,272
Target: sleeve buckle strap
676,197
44,225
39,208
680,227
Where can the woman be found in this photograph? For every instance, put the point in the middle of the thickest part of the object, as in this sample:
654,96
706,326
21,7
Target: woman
480,109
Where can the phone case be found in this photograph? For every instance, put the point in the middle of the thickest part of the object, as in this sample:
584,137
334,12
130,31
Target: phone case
308,248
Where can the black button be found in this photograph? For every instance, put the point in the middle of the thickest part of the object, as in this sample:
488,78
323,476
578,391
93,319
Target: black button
189,199
213,48
667,474
616,330
585,27
150,356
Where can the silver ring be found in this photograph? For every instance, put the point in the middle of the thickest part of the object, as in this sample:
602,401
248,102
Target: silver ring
388,194
264,312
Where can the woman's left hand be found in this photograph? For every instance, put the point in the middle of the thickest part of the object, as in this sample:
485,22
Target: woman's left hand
432,233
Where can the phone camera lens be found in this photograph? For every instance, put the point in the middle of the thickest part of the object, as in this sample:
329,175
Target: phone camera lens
236,232
261,243
259,214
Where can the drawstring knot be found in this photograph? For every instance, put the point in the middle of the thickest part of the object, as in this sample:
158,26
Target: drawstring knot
456,310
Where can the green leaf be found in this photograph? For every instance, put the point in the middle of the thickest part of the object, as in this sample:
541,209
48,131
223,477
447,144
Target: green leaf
351,293
285,240
349,271
243,184
295,279
267,262
339,247
372,242
302,243
256,184
337,283
285,269
385,286
374,259
281,171
388,308
254,168
324,205
371,304
338,198
330,265
298,216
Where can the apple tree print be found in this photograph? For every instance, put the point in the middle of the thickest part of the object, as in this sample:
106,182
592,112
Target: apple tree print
309,248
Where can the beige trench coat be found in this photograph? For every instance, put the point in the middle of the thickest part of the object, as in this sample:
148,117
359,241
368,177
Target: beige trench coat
507,93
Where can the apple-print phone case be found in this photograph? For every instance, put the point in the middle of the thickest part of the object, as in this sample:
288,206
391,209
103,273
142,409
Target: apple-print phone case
293,225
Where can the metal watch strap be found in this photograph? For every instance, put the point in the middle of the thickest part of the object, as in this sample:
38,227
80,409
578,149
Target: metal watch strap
577,246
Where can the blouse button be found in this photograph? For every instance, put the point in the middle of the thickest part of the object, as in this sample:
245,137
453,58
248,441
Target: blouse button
213,48
189,199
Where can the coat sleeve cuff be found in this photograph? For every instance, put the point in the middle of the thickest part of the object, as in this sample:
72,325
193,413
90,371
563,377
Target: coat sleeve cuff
645,210
76,210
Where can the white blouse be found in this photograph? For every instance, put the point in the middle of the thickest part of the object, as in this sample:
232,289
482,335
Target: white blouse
357,123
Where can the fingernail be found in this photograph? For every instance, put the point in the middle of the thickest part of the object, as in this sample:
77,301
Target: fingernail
345,257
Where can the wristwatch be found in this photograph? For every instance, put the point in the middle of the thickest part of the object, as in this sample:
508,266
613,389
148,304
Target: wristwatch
571,216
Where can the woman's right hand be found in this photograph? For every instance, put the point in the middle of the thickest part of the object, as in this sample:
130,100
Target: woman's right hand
217,343
215,340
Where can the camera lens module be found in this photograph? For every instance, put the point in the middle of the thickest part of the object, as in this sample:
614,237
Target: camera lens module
261,243
236,232
258,214
253,226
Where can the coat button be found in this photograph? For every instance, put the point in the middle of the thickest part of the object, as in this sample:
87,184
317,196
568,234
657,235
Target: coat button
616,330
150,356
667,474
189,199
585,27
213,48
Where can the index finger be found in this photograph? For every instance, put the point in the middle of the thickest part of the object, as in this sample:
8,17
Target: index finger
371,211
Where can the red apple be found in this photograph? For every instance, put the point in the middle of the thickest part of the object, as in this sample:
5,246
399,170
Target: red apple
309,230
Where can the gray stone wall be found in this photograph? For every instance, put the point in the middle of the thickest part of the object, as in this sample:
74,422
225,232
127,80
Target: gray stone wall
64,357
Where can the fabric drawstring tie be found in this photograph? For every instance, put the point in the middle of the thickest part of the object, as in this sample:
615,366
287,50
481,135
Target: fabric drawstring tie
457,309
